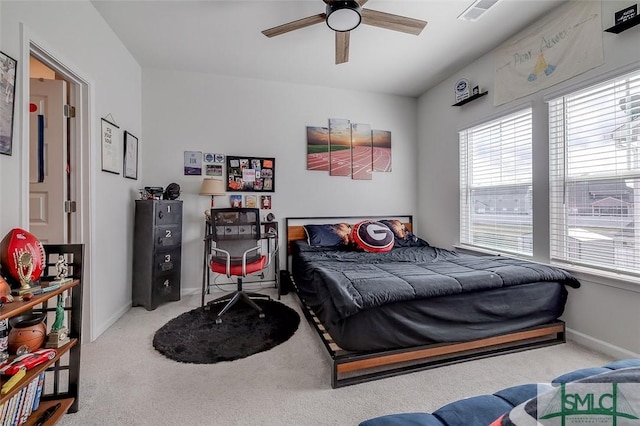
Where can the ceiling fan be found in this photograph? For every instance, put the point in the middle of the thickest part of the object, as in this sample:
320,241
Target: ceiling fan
342,16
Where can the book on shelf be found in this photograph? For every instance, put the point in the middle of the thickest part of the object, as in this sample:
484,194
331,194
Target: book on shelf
13,408
3,411
7,415
16,415
28,401
19,407
36,400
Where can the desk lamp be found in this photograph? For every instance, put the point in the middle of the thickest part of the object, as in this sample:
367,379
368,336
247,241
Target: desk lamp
212,187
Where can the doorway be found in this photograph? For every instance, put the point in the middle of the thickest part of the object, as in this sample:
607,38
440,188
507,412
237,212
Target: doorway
50,165
70,160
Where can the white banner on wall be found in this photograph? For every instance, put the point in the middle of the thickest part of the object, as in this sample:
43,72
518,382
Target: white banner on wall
565,43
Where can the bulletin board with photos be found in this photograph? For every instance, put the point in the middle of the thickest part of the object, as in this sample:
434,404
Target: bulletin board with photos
250,174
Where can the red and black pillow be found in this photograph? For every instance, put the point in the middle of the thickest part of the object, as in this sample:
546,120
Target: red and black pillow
372,236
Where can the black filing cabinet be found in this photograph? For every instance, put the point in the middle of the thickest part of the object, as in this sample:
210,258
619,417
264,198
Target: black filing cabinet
157,248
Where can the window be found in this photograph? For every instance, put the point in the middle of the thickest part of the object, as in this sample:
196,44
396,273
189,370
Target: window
495,184
594,137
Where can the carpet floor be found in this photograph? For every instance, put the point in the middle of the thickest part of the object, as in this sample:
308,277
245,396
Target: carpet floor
125,381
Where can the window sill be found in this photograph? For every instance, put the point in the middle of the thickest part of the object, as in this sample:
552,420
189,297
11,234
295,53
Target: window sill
487,252
610,279
606,278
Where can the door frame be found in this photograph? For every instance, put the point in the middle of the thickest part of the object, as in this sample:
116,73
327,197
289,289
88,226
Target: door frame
82,183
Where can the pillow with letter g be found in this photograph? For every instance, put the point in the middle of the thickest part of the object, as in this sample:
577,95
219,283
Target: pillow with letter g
372,236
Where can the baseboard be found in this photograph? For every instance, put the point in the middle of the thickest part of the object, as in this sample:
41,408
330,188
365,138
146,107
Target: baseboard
190,291
99,329
599,345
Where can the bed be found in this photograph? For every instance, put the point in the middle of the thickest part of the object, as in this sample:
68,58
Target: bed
414,306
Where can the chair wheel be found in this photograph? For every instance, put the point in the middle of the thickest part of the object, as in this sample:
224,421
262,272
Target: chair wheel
261,315
207,307
218,320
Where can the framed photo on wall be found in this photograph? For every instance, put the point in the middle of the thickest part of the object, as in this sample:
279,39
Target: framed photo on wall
111,143
250,174
8,67
130,156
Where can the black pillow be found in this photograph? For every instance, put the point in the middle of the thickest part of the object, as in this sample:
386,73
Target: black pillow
328,235
404,238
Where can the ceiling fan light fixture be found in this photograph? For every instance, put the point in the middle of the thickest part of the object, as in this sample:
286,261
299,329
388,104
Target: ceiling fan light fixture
343,15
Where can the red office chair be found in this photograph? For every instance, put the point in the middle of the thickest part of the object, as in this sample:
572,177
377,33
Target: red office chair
237,252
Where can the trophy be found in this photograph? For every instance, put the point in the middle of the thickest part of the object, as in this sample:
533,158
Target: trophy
24,261
59,334
62,268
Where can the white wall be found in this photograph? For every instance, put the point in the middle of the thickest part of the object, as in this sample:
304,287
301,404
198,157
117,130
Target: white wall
76,35
605,317
1,225
233,116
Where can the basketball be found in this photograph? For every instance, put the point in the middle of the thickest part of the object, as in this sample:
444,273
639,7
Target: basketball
28,330
33,337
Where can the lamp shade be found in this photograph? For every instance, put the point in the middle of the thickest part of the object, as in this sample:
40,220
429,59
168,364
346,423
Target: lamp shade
212,187
343,15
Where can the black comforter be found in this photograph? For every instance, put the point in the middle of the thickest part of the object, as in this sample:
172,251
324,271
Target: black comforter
348,282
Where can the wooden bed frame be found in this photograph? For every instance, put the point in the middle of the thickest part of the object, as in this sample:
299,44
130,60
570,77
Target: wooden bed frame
349,367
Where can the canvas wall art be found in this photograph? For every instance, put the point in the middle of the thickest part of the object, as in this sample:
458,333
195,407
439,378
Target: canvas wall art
339,147
348,149
318,148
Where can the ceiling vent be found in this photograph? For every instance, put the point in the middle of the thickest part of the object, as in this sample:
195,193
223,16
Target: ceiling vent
477,9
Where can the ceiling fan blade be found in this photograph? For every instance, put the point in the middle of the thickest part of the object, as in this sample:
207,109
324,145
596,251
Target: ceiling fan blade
295,25
342,47
392,22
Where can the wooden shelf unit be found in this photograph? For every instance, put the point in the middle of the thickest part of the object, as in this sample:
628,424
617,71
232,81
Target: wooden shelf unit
65,404
62,373
16,308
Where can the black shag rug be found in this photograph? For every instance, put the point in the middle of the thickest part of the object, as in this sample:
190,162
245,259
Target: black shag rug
194,336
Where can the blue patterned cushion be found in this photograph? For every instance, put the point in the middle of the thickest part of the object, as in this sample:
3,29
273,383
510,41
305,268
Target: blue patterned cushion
510,402
476,411
404,419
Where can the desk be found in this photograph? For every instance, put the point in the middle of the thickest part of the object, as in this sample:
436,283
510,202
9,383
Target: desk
269,236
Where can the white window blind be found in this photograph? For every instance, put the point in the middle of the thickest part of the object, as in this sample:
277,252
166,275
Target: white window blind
594,137
495,184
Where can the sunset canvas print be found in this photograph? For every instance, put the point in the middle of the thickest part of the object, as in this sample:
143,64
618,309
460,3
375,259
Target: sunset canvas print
317,148
348,149
381,150
361,152
339,147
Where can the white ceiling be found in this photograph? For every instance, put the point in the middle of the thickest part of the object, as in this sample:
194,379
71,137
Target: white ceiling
224,37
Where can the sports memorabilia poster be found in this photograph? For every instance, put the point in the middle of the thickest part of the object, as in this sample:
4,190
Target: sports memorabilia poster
250,174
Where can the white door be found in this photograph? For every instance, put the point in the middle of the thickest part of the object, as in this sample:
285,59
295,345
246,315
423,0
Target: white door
48,166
